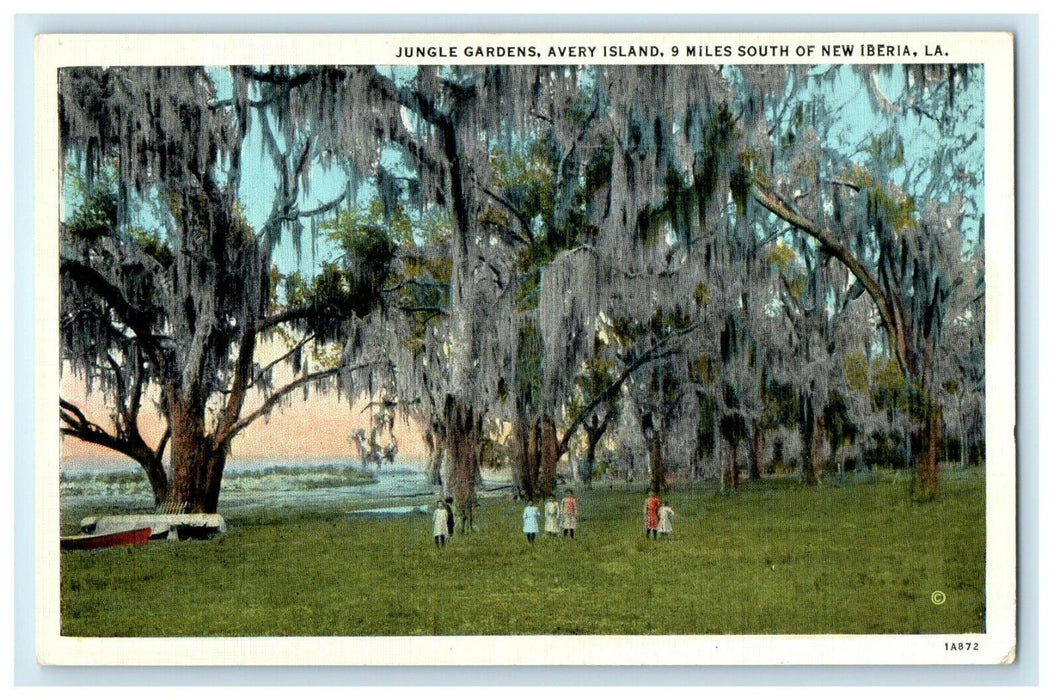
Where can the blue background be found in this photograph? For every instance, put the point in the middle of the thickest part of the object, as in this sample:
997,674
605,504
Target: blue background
1024,672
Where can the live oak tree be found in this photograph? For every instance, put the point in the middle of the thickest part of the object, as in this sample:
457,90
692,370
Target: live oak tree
182,309
447,124
679,155
895,222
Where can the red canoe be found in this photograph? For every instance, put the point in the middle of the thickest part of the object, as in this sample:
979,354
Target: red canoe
138,536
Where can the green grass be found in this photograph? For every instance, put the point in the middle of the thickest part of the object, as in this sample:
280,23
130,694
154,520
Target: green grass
772,558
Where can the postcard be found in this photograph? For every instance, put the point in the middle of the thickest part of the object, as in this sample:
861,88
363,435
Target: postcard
525,349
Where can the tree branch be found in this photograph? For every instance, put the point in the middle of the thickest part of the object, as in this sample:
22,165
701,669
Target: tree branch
294,313
162,443
273,77
240,382
284,357
434,310
507,204
233,430
78,425
410,99
418,283
131,316
650,355
894,325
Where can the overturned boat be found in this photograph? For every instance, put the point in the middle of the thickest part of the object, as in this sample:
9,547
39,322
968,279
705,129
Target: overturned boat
170,526
111,539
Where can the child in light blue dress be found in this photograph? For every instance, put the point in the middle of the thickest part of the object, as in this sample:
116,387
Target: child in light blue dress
530,517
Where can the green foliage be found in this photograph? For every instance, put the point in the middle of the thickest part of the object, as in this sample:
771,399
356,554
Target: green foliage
705,436
368,242
891,390
781,405
716,161
733,426
756,561
493,455
427,270
896,210
527,179
701,370
661,324
353,285
598,374
528,293
781,256
154,244
598,170
528,369
96,214
887,148
838,426
701,295
886,205
856,371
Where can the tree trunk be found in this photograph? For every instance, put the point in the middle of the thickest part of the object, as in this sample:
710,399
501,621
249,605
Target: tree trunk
156,476
462,433
716,450
812,442
816,458
151,462
521,458
758,443
732,469
546,476
653,438
964,437
658,467
188,453
928,472
592,437
214,470
197,463
436,451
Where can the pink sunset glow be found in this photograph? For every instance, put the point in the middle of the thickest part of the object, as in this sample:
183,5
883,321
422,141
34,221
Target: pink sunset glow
320,426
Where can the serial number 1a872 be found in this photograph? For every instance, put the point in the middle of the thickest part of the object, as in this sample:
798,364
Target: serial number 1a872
961,646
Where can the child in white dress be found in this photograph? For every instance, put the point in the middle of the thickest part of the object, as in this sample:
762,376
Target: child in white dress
441,524
552,517
666,519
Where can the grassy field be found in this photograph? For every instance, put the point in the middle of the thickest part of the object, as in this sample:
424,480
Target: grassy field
772,558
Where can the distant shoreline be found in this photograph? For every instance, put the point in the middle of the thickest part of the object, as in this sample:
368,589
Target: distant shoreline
89,486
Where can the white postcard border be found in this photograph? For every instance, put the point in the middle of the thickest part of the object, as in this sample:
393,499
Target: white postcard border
994,50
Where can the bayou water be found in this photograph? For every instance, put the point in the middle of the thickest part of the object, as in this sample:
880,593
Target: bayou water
257,484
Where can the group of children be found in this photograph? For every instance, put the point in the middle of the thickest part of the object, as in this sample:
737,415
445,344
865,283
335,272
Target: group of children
556,514
658,518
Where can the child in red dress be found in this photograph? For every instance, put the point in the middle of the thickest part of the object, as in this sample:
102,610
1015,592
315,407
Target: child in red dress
651,516
570,514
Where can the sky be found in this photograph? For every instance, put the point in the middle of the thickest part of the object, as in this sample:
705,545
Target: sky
317,427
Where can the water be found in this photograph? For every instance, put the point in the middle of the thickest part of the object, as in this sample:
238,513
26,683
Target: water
251,484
